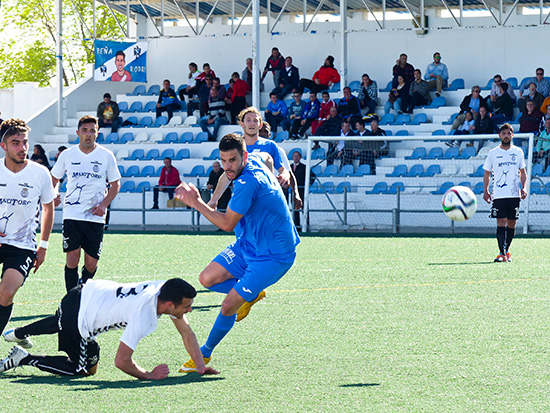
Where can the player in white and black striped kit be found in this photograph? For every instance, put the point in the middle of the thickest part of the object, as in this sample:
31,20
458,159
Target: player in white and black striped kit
99,306
89,167
25,189
506,164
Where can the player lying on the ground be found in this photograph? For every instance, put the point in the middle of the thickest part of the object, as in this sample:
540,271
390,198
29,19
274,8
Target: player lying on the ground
265,247
99,306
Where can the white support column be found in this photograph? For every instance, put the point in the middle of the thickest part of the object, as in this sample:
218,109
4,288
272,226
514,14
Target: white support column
255,53
59,61
343,43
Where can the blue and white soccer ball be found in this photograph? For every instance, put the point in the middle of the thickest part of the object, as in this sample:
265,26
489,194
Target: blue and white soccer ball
459,203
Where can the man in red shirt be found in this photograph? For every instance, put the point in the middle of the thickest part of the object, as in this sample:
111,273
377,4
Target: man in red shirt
323,79
169,180
238,98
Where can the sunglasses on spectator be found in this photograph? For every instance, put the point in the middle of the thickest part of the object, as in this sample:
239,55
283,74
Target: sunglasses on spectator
477,91
540,74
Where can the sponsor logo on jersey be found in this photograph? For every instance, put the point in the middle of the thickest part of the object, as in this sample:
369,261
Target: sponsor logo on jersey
96,168
14,201
513,156
86,175
3,184
25,192
246,290
75,163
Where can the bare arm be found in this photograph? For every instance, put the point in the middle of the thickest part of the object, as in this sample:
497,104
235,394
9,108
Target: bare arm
298,202
486,180
191,345
523,179
223,184
124,362
48,212
189,194
101,208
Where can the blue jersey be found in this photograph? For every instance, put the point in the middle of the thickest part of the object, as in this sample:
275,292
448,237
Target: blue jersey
267,146
266,228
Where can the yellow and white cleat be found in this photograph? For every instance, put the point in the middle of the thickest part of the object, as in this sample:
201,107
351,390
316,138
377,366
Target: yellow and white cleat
245,308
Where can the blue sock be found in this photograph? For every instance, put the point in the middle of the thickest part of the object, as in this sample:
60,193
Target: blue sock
221,327
224,287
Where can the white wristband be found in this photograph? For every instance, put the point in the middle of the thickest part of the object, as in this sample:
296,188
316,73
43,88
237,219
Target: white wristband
43,244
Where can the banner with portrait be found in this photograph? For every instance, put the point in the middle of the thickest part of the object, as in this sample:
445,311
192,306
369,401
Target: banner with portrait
120,61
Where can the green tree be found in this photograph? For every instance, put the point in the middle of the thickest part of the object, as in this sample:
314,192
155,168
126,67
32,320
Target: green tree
28,44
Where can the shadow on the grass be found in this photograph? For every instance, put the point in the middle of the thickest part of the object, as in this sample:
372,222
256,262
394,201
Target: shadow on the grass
86,384
205,307
360,385
461,263
30,317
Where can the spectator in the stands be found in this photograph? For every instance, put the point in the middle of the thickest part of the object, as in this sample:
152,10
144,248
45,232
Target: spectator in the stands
542,149
295,111
543,120
336,149
265,130
398,97
213,179
496,91
215,116
275,112
402,68
216,82
310,113
349,107
39,156
370,149
203,95
530,118
470,103
247,73
543,86
437,75
323,79
1,120
532,95
332,125
168,181
238,96
468,126
107,113
275,63
193,85
503,107
289,78
368,93
59,150
375,130
229,94
483,123
354,149
206,71
167,101
324,111
418,91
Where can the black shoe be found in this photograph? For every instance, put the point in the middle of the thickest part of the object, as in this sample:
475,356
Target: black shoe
437,94
155,207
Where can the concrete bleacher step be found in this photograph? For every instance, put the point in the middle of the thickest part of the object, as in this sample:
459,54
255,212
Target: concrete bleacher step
72,122
55,139
64,130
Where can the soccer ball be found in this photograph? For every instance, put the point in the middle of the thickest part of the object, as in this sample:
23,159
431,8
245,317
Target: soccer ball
459,203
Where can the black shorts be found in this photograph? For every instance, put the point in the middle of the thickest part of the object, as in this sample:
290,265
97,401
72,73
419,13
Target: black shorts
84,353
505,208
85,234
17,258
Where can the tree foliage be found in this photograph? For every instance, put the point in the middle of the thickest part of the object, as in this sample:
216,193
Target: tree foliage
28,44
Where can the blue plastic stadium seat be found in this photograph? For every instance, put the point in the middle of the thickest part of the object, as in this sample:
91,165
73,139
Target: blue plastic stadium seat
478,188
396,187
292,151
402,132
100,138
478,173
149,107
388,87
468,152
435,153
128,186
152,154
182,154
167,153
330,170
438,102
362,170
432,170
451,153
451,120
121,169
418,153
123,106
281,136
443,188
317,170
127,137
139,90
489,84
402,119
133,120
329,187
148,170
315,188
513,82
198,170
318,153
456,84
138,154
418,119
186,137
334,88
547,172
153,90
215,154
131,171
160,121
200,137
347,170
387,119
536,171
536,188
399,170
416,170
158,172
145,122
171,137
112,138
344,186
136,107
379,188
354,86
467,184
438,132
142,186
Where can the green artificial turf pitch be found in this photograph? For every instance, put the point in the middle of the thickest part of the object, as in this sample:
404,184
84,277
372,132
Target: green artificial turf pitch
358,324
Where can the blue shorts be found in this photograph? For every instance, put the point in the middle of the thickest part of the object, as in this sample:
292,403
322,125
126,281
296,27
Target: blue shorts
253,274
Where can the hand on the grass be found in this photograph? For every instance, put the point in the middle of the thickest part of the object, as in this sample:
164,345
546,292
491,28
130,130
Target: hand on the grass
160,372
207,371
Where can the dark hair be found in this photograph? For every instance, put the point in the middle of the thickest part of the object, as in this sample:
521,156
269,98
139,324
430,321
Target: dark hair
120,53
360,122
170,159
330,60
325,93
504,86
272,94
205,64
12,127
107,95
364,74
348,88
437,53
86,119
244,112
232,141
505,126
61,148
418,70
216,78
166,80
275,48
40,148
403,54
541,69
193,64
175,290
235,74
497,75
